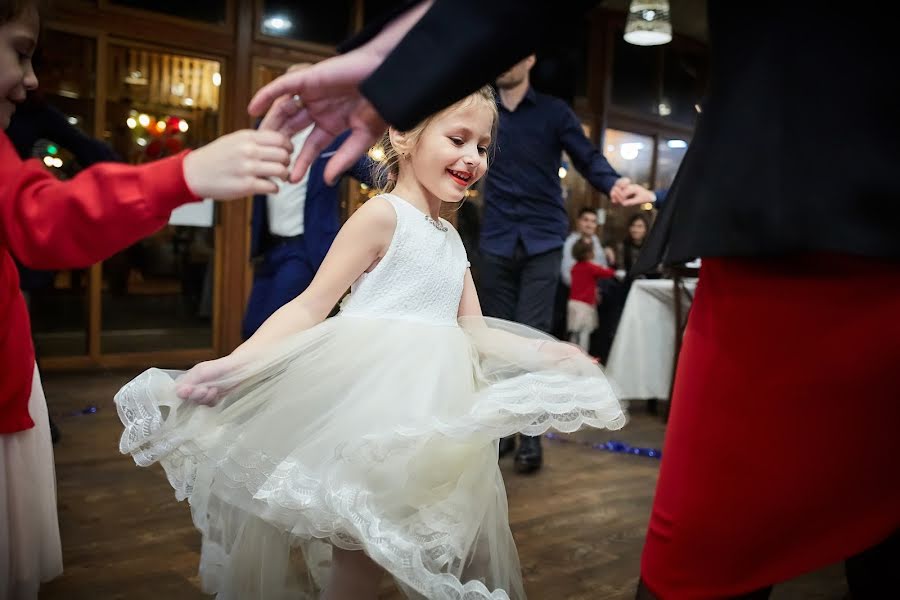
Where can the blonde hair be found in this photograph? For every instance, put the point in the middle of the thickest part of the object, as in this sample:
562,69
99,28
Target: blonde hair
386,171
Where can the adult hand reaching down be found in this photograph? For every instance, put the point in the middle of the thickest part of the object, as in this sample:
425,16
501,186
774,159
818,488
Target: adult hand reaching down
327,95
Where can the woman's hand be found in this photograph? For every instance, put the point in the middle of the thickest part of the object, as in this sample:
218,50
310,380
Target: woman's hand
327,95
203,384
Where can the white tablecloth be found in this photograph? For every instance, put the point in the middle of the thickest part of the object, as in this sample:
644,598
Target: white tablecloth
640,361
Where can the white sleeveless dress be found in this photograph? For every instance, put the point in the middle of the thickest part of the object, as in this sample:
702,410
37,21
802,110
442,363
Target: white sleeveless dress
375,430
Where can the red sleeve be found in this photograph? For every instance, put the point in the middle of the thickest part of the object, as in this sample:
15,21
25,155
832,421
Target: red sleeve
52,224
600,272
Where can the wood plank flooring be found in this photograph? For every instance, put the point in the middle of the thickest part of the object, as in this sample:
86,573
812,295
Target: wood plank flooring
579,524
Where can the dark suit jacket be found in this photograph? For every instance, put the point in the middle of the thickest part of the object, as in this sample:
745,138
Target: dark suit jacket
321,219
795,150
35,120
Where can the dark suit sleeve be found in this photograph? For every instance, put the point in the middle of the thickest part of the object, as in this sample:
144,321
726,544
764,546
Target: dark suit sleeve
459,46
661,196
363,169
87,150
375,27
586,157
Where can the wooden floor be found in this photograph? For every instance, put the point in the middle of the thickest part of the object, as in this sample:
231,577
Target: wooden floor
579,523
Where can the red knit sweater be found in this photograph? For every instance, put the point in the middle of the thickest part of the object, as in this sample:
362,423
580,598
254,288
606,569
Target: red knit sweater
49,224
584,280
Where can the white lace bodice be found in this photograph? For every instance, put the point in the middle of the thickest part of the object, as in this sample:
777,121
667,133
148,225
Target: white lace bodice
420,276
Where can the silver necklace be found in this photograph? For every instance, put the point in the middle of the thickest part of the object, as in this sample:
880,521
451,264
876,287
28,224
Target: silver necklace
437,224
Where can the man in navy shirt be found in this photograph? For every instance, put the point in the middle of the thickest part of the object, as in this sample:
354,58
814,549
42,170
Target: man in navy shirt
525,220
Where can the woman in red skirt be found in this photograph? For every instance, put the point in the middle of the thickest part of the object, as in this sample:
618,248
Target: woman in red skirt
782,444
781,454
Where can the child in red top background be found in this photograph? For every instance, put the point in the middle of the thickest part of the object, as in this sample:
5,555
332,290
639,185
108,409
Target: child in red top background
582,307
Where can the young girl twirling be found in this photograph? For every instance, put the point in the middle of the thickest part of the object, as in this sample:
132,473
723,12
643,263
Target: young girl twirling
368,441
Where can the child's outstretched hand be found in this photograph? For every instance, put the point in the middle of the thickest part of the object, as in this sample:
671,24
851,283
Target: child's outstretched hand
202,384
239,164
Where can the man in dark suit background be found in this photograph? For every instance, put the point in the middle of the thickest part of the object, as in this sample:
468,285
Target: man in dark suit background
525,217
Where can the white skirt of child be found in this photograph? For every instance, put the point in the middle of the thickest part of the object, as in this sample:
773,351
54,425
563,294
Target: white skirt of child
30,550
581,316
377,435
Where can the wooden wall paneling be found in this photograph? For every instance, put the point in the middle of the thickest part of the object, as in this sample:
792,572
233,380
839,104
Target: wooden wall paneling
233,240
107,7
177,35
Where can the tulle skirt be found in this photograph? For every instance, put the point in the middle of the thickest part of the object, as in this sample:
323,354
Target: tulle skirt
377,435
30,549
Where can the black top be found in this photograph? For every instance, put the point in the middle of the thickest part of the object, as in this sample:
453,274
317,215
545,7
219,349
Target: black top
797,144
35,120
457,47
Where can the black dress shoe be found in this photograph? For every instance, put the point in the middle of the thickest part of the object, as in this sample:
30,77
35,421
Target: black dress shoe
530,456
507,445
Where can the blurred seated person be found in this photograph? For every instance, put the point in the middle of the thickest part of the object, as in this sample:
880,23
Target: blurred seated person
638,227
615,292
585,228
630,249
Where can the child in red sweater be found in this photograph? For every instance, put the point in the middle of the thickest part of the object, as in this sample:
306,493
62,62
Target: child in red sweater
582,308
51,224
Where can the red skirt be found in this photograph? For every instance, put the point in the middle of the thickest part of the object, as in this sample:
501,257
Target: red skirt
782,453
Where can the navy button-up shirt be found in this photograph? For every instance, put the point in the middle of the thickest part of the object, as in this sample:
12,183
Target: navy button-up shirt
522,194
